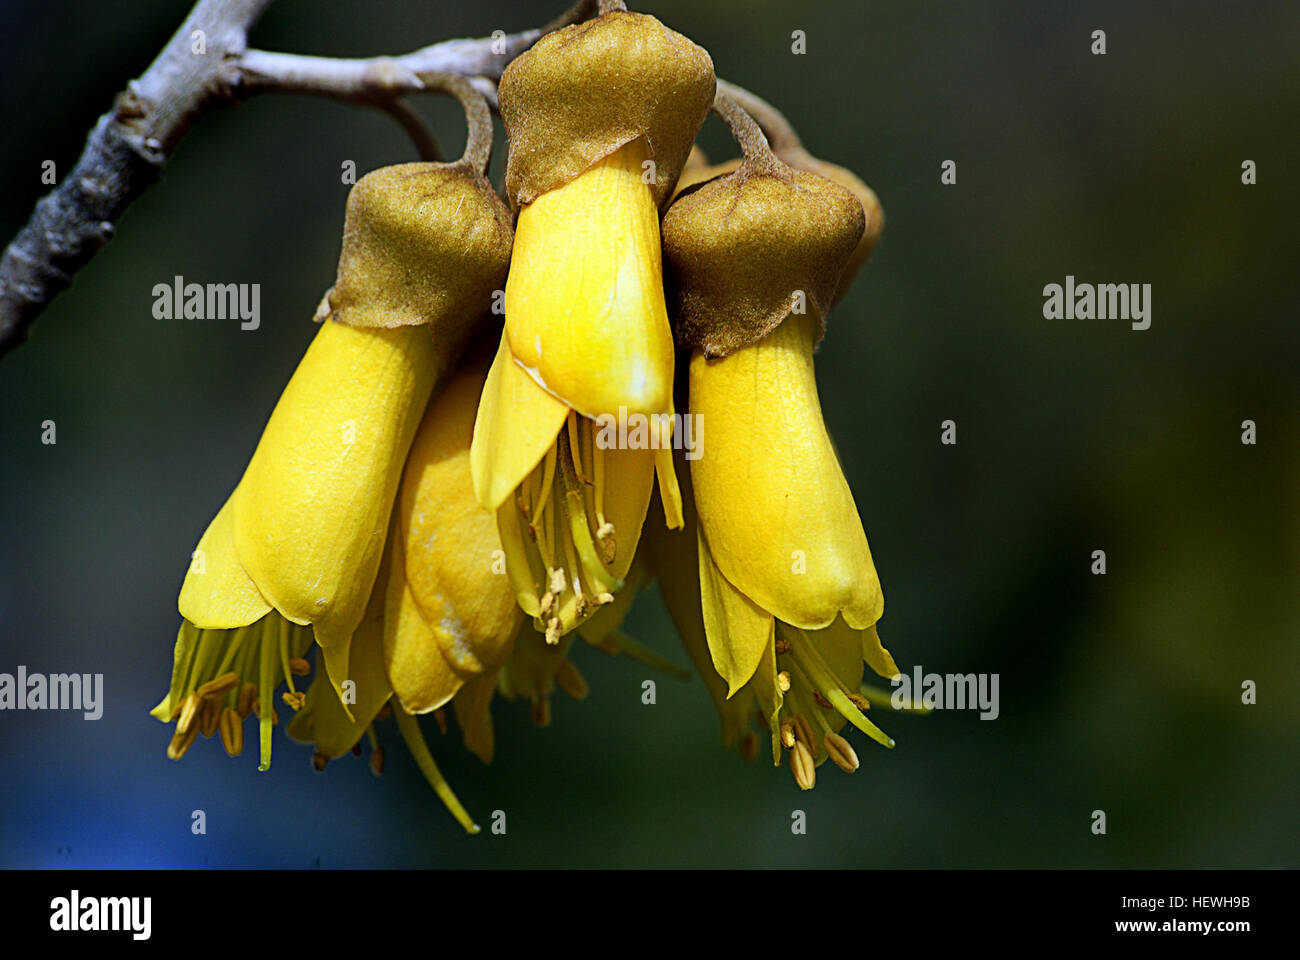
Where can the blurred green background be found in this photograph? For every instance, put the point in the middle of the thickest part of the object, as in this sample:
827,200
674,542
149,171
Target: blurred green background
1120,693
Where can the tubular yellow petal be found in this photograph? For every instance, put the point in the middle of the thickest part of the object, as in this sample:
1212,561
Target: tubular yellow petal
217,593
450,542
421,677
314,505
585,311
516,424
773,503
324,720
739,631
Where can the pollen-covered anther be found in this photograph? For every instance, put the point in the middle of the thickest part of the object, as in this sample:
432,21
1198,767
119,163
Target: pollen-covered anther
553,631
803,766
247,698
841,752
859,701
231,727
294,699
377,761
181,741
299,667
782,646
783,681
558,581
749,746
787,733
608,545
215,688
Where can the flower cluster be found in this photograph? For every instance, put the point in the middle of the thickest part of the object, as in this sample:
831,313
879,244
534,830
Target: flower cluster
432,506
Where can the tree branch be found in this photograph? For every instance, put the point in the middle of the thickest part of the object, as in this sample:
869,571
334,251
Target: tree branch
128,146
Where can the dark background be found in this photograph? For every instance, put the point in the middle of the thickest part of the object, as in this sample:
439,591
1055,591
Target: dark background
1120,693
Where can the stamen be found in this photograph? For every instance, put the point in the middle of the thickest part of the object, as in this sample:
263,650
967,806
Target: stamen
841,752
819,677
553,631
209,717
299,667
859,701
318,761
803,767
189,713
782,646
247,697
575,447
232,732
377,761
548,480
803,732
787,733
215,688
263,707
294,699
181,742
424,760
440,716
822,701
783,681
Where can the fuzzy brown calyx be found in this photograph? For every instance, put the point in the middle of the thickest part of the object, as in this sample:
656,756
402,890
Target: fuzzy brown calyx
746,249
584,91
423,243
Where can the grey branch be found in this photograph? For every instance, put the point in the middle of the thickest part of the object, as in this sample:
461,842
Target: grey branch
126,150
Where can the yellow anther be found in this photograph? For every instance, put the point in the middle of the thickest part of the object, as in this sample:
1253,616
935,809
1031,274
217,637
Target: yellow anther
604,598
803,731
803,767
189,713
209,717
247,699
782,646
299,667
294,699
783,681
558,581
215,688
181,742
859,701
841,752
232,731
553,631
787,733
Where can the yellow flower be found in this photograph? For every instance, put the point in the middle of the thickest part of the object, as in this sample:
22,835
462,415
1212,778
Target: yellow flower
789,592
450,613
299,543
586,338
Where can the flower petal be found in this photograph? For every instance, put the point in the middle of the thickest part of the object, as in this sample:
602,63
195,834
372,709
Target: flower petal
450,542
422,678
585,311
738,630
773,502
217,593
516,423
314,505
